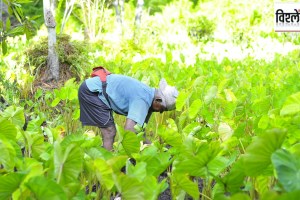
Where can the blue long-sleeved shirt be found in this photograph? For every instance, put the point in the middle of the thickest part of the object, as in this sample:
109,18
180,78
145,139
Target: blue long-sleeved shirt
127,96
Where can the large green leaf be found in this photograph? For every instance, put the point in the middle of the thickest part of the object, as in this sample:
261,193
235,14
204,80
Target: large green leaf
35,125
35,142
68,92
290,195
73,190
182,182
261,106
130,188
295,149
211,94
258,154
158,163
117,162
263,122
152,188
291,105
217,165
10,183
234,180
149,155
130,142
7,155
262,184
172,124
203,164
225,131
99,153
181,100
195,108
79,139
229,109
192,146
67,163
138,171
191,128
240,196
55,102
104,173
32,167
7,129
15,114
283,196
287,168
45,189
4,47
290,109
229,95
170,136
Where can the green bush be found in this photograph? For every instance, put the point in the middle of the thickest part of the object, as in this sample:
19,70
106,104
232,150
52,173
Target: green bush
201,29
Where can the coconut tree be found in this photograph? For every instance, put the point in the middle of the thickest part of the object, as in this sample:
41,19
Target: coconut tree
52,60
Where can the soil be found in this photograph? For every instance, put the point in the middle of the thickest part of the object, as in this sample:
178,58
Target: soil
165,195
64,74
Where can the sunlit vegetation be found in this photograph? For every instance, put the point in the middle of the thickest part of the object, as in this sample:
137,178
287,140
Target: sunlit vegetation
235,133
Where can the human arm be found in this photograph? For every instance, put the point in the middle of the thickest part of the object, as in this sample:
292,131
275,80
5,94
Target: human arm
129,125
137,114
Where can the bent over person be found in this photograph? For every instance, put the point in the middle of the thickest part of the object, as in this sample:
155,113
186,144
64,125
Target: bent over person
104,93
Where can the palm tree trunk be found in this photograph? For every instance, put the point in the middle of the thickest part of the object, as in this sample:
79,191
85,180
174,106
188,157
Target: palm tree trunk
138,13
52,72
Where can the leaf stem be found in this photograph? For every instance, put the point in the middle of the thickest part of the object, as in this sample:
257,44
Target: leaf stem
242,146
205,196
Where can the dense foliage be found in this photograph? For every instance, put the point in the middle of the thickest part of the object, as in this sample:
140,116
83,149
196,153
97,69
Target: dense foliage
234,135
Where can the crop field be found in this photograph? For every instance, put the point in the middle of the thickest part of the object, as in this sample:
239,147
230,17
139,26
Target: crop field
235,133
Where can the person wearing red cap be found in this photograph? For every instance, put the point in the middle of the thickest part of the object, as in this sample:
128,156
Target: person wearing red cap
123,95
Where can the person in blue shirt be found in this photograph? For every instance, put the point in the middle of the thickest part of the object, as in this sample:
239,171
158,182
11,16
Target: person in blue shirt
126,96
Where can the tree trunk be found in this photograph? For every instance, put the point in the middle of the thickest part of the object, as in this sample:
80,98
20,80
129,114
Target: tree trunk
137,20
138,13
52,72
119,8
4,15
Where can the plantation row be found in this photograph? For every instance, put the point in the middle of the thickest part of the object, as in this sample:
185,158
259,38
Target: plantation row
234,135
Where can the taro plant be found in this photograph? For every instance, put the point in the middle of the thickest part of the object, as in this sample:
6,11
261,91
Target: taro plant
66,104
